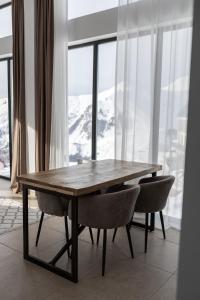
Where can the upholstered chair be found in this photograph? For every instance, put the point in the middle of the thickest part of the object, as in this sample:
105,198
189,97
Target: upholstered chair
108,211
54,206
153,198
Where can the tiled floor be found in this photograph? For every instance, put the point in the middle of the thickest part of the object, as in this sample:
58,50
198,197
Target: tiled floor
150,276
147,277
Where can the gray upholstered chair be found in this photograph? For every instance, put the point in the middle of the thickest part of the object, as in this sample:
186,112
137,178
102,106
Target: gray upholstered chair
153,198
108,211
52,205
55,206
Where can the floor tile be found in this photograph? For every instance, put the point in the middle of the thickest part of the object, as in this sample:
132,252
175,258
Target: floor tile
5,252
168,291
14,239
21,280
147,277
162,254
128,279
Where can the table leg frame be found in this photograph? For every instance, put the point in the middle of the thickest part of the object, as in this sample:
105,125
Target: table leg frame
73,276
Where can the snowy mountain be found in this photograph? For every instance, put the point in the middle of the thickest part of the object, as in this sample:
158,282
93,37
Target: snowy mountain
80,126
4,134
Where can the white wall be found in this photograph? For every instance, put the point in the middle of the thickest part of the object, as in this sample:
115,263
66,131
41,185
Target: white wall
189,265
94,26
104,24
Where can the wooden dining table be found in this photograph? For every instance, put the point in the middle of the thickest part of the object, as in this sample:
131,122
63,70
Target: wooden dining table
73,182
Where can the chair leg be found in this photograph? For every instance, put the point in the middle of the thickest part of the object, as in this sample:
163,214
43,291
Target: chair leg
130,240
67,234
146,231
91,235
162,223
104,251
98,235
39,229
114,235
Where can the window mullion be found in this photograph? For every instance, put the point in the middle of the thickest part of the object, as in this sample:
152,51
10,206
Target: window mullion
94,101
9,112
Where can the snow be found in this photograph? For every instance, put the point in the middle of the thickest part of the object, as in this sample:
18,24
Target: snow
80,126
4,135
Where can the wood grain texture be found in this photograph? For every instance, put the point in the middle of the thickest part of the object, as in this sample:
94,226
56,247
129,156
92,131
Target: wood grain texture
86,178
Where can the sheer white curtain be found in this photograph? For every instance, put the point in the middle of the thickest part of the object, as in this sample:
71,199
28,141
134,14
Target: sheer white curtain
59,129
152,83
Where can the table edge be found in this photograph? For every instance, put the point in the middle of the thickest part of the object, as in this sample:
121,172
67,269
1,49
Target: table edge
84,191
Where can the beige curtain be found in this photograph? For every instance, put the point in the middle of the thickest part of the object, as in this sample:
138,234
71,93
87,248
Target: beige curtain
44,48
19,132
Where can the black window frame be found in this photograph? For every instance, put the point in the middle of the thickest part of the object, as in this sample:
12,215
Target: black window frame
5,5
95,44
8,59
9,87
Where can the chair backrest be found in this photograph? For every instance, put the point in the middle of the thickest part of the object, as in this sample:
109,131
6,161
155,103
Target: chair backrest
52,205
153,193
107,211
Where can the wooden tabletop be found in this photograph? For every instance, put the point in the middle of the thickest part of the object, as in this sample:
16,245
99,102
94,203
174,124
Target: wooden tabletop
86,178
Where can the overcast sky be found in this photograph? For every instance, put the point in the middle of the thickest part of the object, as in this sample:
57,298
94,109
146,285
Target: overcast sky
5,22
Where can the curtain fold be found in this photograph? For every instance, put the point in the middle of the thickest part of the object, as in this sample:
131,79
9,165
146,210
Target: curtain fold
59,128
44,52
152,84
19,111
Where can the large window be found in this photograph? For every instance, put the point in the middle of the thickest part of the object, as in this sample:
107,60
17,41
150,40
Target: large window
91,75
78,8
80,103
5,20
105,100
5,93
5,117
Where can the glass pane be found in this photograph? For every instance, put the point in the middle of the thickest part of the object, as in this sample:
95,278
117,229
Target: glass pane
5,22
105,104
78,8
80,75
141,88
4,122
174,110
135,99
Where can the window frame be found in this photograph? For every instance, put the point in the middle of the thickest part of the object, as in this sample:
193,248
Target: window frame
8,61
95,45
5,5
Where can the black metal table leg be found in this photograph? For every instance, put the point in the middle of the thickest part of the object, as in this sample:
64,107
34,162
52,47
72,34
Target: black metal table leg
76,230
152,220
25,222
65,248
75,239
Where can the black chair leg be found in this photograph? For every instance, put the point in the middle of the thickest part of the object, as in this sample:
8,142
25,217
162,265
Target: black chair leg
104,251
114,235
130,240
67,234
162,223
91,235
39,229
146,231
98,236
